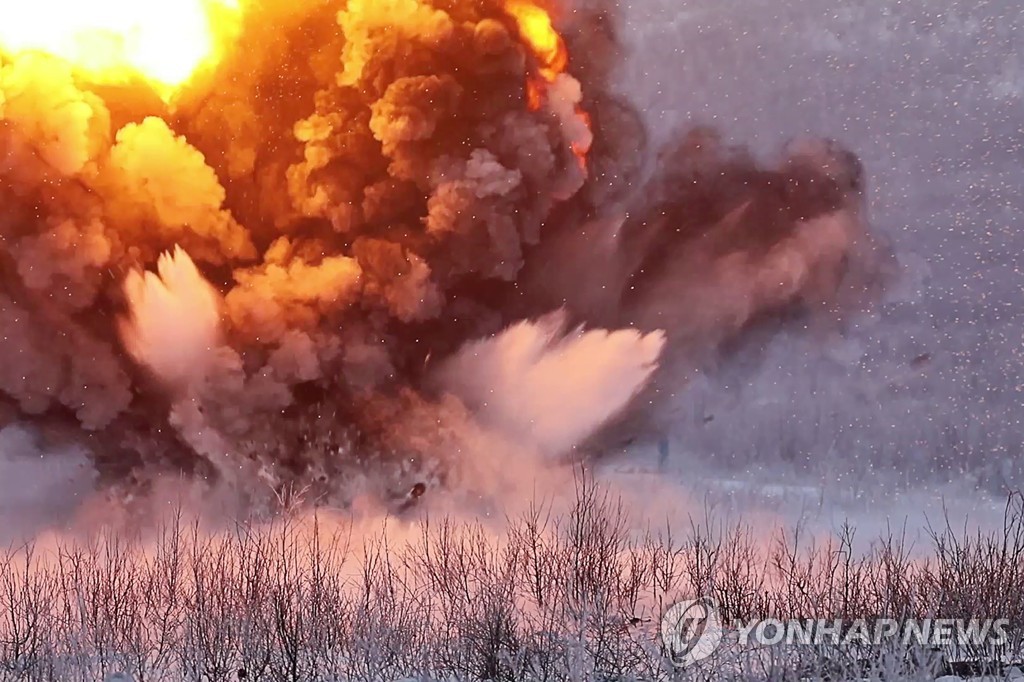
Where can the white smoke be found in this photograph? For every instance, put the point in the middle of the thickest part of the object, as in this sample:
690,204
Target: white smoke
173,326
542,384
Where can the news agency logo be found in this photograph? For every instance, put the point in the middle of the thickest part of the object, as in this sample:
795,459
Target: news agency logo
693,630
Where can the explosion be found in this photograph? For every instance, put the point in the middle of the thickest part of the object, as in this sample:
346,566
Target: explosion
373,248
110,41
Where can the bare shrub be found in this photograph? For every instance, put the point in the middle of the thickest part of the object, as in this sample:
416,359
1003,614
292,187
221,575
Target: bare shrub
571,596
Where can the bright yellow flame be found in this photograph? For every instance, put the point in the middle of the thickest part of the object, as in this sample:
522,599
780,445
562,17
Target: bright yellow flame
164,41
536,28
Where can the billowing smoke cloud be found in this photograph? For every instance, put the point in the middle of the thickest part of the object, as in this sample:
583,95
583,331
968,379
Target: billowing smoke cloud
330,266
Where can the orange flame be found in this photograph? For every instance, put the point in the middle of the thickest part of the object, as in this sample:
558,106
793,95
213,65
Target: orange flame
579,149
537,29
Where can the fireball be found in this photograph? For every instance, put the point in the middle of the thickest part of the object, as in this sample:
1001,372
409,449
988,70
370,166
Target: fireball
108,41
